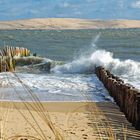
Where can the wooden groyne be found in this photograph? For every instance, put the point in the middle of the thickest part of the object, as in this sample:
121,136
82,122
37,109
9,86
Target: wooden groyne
7,64
126,96
7,54
14,51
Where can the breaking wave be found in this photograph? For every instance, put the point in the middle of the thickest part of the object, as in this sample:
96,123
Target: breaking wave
128,69
100,58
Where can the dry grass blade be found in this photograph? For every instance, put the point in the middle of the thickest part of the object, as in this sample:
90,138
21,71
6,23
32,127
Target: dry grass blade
9,51
40,109
102,129
95,111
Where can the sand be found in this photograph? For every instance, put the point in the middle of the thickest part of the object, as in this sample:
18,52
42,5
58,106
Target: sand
67,120
68,23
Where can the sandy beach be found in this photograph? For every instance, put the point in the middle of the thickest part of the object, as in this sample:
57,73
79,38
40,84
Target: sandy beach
67,23
63,120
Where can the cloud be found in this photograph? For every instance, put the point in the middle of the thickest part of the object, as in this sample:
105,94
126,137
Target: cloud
121,3
136,4
90,1
66,4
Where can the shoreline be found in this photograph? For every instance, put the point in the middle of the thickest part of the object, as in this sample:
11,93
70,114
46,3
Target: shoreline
36,29
54,101
55,105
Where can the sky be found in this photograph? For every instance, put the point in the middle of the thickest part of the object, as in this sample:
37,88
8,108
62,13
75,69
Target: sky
88,9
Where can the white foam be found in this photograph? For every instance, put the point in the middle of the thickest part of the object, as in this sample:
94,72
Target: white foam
129,70
67,82
53,87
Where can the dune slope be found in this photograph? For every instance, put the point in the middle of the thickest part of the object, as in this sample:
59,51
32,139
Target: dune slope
68,23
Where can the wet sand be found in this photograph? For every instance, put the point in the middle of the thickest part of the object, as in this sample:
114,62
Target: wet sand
63,120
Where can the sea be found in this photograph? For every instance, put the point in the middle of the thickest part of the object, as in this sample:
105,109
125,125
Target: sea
80,51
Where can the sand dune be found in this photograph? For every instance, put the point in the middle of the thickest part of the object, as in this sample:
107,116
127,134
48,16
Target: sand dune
68,23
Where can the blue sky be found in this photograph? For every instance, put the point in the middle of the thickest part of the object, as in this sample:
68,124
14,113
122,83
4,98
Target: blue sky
91,9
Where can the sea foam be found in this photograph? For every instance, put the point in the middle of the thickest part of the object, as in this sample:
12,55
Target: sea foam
129,70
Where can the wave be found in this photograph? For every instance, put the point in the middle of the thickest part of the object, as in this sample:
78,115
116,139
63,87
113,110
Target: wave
100,58
128,69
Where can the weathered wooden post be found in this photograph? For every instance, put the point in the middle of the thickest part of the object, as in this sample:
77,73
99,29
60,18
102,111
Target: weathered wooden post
125,95
7,54
137,123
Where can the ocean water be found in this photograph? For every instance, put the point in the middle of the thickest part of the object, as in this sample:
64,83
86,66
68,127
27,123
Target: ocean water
118,50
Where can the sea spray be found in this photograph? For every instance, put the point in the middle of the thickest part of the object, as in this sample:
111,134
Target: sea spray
72,85
128,69
81,64
99,58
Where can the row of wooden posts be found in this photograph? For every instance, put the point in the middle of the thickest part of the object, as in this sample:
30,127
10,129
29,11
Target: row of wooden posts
126,96
7,54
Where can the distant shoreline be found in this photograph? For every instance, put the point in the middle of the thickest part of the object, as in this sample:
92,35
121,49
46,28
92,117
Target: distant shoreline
67,23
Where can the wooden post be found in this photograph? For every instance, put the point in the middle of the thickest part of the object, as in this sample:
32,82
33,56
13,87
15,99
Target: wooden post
7,54
125,95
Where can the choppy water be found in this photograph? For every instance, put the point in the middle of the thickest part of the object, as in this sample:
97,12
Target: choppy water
81,50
